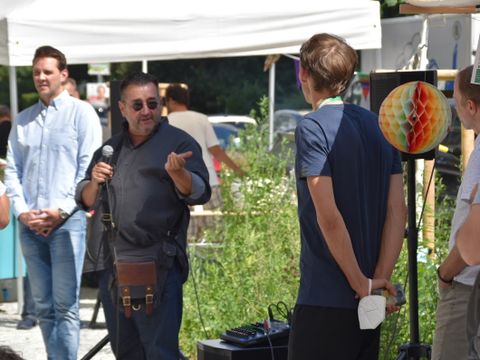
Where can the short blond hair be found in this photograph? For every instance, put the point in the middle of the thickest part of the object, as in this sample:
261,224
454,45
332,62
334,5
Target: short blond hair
330,61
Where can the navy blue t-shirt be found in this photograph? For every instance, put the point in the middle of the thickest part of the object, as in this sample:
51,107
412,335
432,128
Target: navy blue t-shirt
344,142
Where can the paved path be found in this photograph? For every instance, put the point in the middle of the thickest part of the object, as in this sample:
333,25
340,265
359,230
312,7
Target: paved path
29,344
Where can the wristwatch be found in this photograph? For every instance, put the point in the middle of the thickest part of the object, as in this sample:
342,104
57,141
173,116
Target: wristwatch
63,214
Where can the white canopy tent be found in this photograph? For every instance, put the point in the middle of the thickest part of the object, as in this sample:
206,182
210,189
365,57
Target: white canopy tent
115,31
93,31
96,31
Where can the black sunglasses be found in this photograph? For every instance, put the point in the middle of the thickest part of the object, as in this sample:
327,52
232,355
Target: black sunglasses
138,105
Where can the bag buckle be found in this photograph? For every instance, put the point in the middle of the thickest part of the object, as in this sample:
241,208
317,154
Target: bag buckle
126,300
149,295
149,299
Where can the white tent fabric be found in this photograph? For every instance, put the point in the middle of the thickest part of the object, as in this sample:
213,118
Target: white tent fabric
90,31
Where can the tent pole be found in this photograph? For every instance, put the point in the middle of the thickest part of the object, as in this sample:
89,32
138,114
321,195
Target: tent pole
271,103
12,71
145,66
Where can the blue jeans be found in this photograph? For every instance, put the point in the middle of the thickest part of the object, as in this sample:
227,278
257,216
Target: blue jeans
28,310
142,337
55,268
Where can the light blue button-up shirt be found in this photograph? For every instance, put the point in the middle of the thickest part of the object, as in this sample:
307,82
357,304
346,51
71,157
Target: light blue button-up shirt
49,149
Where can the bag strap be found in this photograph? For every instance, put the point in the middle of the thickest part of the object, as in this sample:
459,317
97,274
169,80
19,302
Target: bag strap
126,301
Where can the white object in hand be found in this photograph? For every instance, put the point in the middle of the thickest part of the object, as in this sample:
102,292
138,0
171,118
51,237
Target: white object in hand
371,311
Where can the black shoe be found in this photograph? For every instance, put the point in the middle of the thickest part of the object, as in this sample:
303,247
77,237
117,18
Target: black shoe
26,324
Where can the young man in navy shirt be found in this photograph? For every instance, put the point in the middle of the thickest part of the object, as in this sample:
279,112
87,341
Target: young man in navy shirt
351,209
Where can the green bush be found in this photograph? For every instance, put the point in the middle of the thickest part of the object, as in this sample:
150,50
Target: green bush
252,259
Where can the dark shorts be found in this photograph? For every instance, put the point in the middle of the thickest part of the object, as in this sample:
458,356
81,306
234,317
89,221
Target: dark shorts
330,333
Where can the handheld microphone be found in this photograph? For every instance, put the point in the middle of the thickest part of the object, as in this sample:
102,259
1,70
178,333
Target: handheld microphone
107,152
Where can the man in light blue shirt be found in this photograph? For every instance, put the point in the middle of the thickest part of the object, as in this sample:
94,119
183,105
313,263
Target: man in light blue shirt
49,149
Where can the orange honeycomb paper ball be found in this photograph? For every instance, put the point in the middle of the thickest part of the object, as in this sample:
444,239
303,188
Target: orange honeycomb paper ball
415,117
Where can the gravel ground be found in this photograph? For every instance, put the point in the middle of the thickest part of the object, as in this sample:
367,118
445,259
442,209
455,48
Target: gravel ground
29,343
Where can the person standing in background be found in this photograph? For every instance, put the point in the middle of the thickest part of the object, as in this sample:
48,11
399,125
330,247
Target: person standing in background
455,277
5,126
351,210
49,149
177,100
467,241
101,104
71,87
28,320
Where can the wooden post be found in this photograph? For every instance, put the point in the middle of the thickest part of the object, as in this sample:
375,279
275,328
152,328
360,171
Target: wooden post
412,9
428,230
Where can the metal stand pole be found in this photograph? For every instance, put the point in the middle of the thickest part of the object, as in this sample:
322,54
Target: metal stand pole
93,322
414,350
93,351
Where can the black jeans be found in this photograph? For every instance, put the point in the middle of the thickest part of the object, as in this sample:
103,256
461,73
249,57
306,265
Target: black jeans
323,333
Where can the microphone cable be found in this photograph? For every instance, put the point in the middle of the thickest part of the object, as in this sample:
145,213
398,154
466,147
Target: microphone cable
197,300
266,329
282,309
425,194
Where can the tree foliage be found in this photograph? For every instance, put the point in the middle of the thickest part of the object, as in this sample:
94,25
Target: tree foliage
217,85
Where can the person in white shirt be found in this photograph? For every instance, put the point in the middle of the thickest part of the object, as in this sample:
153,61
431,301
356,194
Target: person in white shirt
455,277
468,241
177,101
49,149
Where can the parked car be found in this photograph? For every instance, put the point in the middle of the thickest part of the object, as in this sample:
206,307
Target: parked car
285,120
227,137
239,121
284,148
284,123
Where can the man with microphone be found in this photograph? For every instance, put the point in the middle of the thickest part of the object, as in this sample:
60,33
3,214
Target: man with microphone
137,245
49,149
